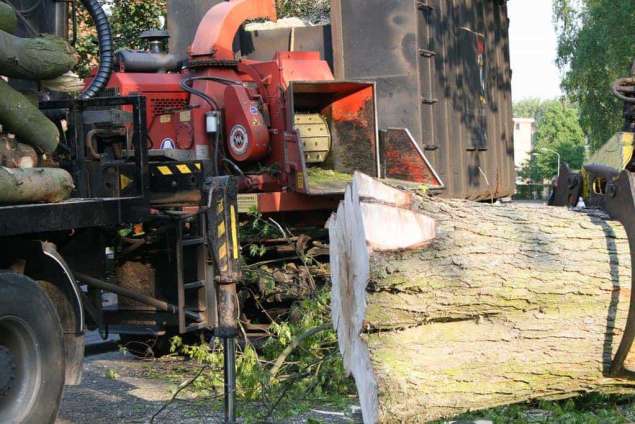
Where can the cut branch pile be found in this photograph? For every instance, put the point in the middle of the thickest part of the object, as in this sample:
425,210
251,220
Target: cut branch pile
282,266
443,307
42,58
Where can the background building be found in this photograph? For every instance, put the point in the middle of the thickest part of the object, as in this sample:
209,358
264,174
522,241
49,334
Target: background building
524,130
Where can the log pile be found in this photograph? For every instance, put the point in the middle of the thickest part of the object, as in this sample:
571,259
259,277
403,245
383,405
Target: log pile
25,132
443,307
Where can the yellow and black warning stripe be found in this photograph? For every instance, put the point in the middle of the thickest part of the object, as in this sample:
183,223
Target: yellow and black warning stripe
177,168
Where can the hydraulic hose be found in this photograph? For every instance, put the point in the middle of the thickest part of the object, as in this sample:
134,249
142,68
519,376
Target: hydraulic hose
106,48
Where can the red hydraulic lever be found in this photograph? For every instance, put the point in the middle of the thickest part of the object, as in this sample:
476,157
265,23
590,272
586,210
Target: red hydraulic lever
215,35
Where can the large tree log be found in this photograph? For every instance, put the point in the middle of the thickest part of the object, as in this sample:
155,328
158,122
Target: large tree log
41,58
443,307
21,117
8,18
34,185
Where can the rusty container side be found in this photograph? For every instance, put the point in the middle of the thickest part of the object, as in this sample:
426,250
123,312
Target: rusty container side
443,71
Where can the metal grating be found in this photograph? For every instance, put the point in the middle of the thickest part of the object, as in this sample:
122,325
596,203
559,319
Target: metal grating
163,106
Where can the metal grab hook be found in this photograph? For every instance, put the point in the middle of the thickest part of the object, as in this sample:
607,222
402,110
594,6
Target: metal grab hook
619,203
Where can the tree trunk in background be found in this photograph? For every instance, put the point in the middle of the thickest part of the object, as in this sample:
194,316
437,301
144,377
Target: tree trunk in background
21,117
507,303
35,59
34,185
8,19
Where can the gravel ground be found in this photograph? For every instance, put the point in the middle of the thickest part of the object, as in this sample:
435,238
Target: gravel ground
117,388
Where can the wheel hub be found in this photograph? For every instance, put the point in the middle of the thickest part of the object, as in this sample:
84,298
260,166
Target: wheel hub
7,370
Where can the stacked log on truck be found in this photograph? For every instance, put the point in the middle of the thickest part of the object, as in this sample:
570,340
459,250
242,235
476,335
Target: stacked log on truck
447,306
26,132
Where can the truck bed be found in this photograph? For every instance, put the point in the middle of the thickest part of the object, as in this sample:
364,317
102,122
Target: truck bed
67,215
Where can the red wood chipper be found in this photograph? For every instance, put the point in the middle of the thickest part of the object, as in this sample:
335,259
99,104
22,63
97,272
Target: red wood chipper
285,128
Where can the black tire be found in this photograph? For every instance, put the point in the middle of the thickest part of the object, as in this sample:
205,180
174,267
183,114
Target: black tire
31,353
73,340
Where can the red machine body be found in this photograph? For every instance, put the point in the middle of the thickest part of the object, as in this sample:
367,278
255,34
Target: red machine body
279,119
168,118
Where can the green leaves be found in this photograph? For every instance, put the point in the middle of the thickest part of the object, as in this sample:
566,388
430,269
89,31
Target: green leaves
131,18
596,45
312,10
557,130
312,371
128,20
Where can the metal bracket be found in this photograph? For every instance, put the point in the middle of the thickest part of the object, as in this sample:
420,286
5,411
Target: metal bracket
567,188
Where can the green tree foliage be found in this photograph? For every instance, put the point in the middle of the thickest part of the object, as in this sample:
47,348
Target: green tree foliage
312,10
128,18
557,130
528,108
131,18
596,46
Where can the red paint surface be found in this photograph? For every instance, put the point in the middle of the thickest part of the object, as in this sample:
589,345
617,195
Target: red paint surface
276,144
294,202
216,32
350,107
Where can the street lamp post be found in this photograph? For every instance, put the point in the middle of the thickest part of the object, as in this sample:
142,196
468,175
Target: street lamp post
544,149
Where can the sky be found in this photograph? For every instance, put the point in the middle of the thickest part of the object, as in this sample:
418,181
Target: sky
533,46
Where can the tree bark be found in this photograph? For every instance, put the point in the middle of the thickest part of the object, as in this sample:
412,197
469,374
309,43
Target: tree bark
42,58
34,185
8,19
21,117
445,306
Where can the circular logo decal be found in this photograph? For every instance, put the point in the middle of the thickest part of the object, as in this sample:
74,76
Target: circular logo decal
168,144
238,140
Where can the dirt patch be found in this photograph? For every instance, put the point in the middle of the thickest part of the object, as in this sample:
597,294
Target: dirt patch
118,388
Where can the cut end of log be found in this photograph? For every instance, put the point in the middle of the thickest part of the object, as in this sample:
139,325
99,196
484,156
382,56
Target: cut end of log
388,221
372,217
446,306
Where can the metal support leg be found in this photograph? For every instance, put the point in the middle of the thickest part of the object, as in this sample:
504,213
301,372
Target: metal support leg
229,360
223,234
227,331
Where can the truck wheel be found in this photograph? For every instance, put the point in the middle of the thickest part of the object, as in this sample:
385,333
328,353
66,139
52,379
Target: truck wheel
31,352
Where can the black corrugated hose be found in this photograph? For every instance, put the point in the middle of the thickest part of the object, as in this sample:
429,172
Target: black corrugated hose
106,48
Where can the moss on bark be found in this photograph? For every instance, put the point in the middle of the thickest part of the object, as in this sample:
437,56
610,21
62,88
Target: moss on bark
21,117
41,58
